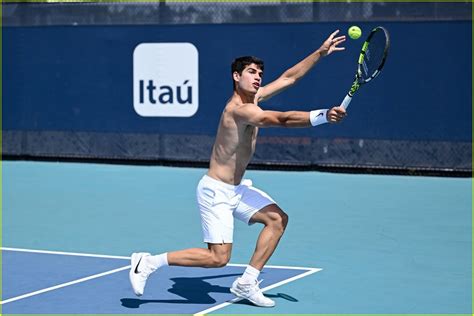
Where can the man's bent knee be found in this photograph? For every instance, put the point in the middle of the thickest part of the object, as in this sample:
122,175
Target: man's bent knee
272,216
219,255
219,261
281,223
279,219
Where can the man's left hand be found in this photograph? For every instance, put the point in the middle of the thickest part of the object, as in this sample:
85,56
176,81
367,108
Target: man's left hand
330,45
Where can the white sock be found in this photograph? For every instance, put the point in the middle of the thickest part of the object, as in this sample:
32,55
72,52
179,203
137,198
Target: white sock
158,261
250,275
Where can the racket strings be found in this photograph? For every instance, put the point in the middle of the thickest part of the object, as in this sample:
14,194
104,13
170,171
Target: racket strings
374,55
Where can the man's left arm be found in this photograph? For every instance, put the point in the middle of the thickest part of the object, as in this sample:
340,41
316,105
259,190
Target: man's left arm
293,74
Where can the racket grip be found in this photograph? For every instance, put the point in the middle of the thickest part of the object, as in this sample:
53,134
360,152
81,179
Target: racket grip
346,101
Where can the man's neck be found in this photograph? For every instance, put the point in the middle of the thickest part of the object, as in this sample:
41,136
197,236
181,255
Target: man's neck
244,97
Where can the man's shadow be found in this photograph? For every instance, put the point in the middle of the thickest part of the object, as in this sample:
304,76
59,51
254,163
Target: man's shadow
194,291
278,295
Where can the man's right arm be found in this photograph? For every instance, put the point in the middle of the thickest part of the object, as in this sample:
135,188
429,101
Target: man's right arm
251,114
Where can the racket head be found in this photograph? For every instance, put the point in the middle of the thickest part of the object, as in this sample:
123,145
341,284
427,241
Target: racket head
373,55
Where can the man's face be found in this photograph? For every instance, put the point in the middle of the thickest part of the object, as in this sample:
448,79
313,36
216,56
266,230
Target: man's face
250,80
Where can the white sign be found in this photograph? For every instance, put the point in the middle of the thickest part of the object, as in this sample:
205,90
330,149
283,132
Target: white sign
165,79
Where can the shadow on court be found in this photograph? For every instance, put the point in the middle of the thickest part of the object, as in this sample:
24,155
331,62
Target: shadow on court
272,296
196,291
193,290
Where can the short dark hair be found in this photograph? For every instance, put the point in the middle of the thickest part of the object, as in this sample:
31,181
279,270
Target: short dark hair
240,63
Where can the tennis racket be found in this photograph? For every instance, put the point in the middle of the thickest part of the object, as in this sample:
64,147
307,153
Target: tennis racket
371,60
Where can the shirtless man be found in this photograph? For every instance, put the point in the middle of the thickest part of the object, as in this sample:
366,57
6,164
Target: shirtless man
223,194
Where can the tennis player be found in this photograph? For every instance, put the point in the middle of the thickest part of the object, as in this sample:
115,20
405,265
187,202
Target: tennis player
223,194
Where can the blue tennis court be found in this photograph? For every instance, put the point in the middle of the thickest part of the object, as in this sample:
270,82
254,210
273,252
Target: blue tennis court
354,244
76,283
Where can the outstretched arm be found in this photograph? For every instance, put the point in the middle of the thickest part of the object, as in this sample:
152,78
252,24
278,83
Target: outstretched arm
292,75
253,115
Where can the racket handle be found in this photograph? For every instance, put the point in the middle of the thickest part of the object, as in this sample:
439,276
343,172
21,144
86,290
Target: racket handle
346,101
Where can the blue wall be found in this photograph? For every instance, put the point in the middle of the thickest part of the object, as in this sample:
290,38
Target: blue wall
80,78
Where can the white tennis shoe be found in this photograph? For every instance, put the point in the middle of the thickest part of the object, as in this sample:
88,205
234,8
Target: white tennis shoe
251,292
139,272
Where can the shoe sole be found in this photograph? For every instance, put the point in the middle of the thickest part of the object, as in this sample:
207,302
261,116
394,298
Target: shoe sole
134,261
250,300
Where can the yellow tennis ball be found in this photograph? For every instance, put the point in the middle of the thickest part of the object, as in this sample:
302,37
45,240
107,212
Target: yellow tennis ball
354,32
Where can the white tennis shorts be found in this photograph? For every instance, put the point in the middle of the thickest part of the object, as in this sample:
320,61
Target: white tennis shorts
220,202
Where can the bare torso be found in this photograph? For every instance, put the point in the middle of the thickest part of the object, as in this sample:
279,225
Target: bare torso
233,148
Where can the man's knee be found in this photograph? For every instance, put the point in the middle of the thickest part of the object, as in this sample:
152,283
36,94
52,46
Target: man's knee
219,255
273,217
279,221
219,261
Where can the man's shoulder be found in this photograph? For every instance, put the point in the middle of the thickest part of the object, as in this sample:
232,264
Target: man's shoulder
235,106
235,111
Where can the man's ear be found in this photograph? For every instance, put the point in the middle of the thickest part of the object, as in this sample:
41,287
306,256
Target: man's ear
236,76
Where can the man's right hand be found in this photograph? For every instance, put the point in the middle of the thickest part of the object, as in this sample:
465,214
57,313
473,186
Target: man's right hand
336,114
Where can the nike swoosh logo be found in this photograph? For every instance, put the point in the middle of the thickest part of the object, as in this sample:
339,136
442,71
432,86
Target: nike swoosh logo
320,114
136,267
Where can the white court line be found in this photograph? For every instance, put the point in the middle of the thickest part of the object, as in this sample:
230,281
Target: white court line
128,258
274,267
296,277
63,285
64,253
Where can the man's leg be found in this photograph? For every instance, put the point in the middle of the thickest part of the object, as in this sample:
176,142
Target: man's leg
143,264
275,221
217,255
247,286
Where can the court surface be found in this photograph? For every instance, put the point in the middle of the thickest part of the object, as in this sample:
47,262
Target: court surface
355,243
